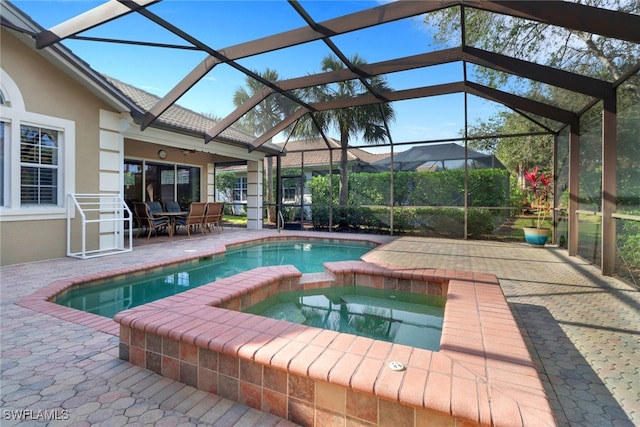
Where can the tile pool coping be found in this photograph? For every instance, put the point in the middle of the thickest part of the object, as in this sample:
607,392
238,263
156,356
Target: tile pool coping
42,300
483,373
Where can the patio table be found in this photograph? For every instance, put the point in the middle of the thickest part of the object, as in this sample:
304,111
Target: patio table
172,219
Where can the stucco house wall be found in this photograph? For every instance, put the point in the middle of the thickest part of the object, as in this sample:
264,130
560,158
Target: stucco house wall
50,98
94,117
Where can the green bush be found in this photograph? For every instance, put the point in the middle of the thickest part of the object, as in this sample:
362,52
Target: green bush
320,216
628,236
414,194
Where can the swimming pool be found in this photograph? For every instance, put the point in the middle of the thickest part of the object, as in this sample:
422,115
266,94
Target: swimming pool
382,314
308,256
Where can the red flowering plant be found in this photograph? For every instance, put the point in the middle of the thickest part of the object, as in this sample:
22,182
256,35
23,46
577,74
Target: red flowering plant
540,188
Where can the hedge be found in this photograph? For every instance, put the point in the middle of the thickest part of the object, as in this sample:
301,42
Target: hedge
369,200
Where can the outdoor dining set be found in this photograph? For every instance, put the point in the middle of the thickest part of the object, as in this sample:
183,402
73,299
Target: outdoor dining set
169,216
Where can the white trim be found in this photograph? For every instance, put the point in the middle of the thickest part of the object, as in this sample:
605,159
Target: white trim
11,92
211,183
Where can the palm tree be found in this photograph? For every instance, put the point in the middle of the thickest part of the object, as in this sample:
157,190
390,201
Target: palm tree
263,117
367,120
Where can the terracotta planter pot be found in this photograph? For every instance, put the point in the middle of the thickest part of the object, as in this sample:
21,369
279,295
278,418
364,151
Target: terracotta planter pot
536,236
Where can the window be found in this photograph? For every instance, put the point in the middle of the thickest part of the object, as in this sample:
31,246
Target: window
187,185
240,191
290,194
34,152
291,188
162,182
38,166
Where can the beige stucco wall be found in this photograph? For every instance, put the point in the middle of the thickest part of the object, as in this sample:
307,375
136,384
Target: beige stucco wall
47,90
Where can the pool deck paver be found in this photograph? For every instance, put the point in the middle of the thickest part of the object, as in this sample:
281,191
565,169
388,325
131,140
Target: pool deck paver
582,330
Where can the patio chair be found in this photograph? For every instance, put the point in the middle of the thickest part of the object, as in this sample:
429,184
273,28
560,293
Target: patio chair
149,221
154,208
132,207
194,218
172,207
213,216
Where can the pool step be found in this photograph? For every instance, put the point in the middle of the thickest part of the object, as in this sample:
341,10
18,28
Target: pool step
316,280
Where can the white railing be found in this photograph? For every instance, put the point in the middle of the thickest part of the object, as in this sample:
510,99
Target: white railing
101,223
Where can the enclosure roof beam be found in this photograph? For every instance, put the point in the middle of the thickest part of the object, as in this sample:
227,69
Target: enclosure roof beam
573,16
235,115
384,67
507,99
214,53
530,70
92,18
366,99
520,103
388,12
564,79
134,43
362,76
296,115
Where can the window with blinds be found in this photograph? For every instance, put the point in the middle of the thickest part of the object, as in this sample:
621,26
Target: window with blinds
39,153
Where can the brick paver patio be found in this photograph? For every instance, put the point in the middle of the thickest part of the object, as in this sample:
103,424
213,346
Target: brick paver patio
583,331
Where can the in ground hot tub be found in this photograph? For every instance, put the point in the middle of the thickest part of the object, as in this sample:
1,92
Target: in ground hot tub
482,373
380,314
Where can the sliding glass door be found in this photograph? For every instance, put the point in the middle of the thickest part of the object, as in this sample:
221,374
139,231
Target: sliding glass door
163,182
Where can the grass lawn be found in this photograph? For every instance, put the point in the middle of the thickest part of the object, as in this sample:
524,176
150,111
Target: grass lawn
235,220
512,229
526,221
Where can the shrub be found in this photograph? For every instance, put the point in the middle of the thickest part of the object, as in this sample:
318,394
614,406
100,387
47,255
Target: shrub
415,195
628,236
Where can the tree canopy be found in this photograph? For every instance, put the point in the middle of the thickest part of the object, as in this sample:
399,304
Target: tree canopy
575,51
367,121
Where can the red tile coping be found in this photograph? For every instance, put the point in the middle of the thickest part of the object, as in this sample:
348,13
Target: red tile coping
482,374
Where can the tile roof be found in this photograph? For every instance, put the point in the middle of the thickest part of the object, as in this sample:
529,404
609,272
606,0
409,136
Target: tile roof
177,116
316,153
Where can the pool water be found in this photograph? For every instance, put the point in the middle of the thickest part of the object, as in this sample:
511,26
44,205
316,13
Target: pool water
393,316
109,298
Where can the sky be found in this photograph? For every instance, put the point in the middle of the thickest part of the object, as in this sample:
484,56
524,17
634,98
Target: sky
221,24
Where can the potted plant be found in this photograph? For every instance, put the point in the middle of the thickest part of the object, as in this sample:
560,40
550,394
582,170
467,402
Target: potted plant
541,196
